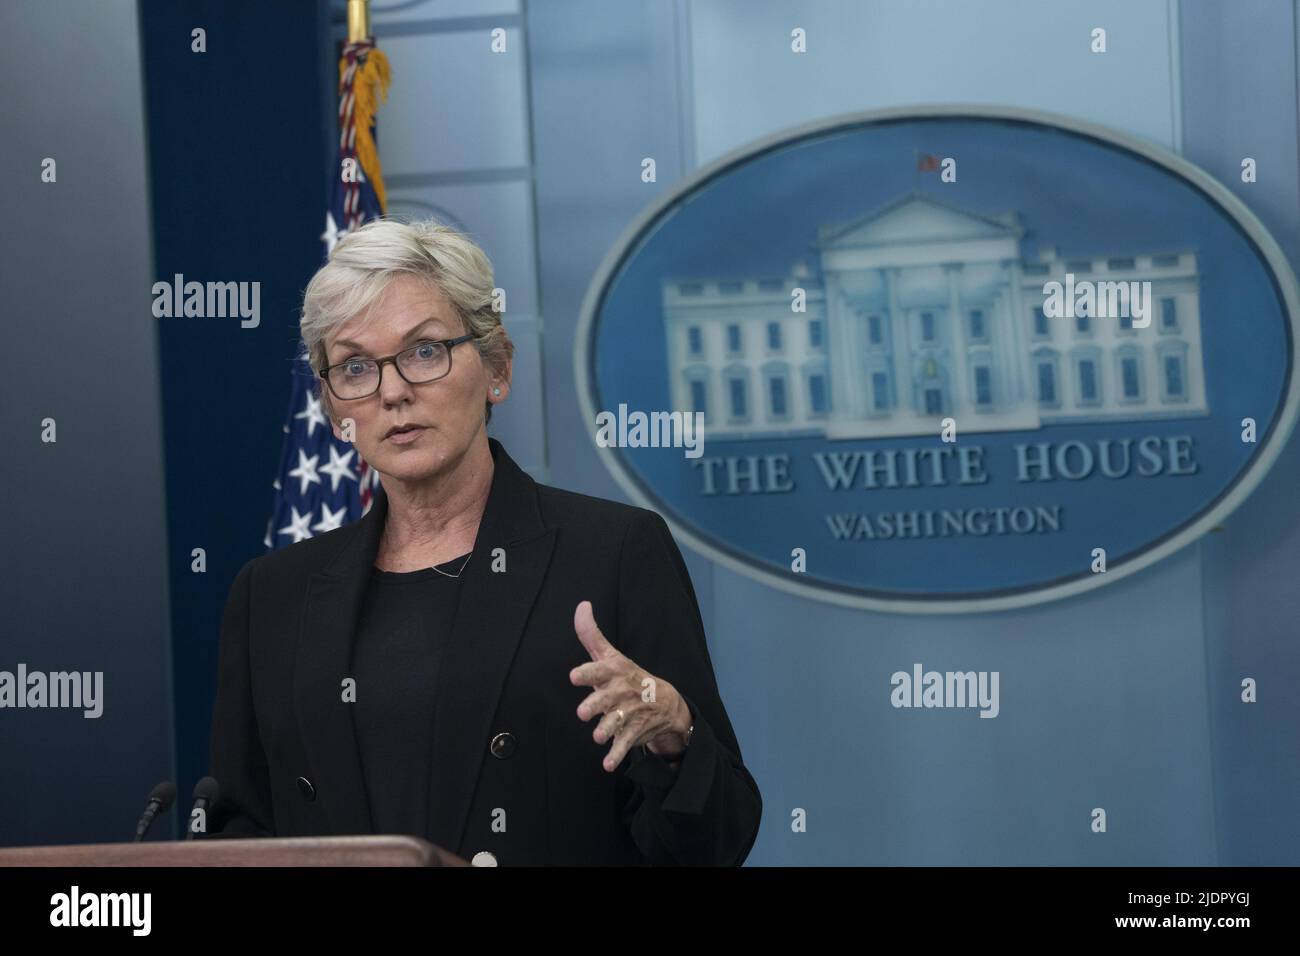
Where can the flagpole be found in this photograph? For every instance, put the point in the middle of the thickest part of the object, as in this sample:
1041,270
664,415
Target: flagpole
358,20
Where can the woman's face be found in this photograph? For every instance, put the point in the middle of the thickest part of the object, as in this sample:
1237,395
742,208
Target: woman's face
449,410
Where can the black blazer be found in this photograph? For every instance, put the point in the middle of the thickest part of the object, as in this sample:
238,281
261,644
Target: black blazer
283,746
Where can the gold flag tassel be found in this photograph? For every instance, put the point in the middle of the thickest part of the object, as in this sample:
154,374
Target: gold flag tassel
369,88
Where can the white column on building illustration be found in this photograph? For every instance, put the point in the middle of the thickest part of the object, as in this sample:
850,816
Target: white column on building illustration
1012,348
900,341
1018,335
839,346
960,363
1004,342
854,360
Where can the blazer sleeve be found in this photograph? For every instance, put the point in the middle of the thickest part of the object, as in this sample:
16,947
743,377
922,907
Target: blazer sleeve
707,811
243,806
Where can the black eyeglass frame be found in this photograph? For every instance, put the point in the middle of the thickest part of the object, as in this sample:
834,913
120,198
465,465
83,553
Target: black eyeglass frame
448,344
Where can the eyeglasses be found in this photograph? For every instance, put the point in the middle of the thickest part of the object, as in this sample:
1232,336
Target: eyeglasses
420,364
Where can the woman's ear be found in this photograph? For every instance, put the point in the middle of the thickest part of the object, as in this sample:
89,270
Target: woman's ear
499,385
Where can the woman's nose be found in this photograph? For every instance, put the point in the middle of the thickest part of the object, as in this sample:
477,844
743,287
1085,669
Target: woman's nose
392,387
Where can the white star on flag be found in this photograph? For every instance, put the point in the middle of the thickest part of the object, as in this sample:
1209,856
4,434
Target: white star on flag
332,234
313,415
306,471
297,526
329,519
338,467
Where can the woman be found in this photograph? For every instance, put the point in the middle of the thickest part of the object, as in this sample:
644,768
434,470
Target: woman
435,668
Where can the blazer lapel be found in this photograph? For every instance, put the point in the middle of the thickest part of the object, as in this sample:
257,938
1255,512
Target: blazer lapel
490,618
324,660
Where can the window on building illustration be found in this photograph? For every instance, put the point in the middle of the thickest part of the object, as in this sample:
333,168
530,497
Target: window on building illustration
737,388
1046,383
1164,262
815,333
1040,321
1169,313
696,340
771,285
1173,375
1126,322
933,401
774,335
927,326
874,331
1087,380
731,288
983,385
977,323
691,288
733,338
776,391
699,398
1082,322
879,390
817,393
1128,368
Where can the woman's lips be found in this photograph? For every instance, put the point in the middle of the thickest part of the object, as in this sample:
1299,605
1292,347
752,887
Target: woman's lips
406,437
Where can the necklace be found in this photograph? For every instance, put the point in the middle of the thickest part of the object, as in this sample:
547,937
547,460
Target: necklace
458,573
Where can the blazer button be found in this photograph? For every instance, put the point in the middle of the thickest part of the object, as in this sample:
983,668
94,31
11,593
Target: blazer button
503,745
306,789
483,858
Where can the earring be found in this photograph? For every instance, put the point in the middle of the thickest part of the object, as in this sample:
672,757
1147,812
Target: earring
496,391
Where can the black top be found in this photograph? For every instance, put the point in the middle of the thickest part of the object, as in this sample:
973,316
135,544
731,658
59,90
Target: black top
405,620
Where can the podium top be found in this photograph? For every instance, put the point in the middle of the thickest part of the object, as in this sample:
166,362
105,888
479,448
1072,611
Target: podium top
295,851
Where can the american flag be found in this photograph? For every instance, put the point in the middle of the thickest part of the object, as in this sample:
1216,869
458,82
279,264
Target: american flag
322,482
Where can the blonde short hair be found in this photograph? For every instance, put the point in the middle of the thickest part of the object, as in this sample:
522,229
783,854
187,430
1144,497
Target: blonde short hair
365,261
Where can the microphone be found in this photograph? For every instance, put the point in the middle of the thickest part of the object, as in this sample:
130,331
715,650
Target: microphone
160,801
205,795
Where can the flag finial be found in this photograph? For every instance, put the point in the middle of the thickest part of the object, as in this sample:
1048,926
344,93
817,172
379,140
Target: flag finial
358,20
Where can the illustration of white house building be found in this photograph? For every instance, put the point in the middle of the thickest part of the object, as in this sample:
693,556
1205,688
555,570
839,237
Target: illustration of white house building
921,311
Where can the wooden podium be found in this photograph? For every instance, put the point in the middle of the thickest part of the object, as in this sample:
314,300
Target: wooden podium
295,851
